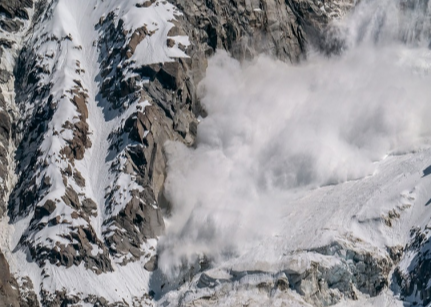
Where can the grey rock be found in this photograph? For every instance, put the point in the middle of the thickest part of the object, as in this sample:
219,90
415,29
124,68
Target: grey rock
10,25
412,283
45,210
320,284
4,75
369,271
89,207
245,28
71,198
9,293
15,8
151,265
28,297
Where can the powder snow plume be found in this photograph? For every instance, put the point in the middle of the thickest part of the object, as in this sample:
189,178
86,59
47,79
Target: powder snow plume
273,128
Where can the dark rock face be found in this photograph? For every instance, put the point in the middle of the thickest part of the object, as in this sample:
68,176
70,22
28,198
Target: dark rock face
12,292
411,278
16,8
62,298
9,293
15,12
28,297
5,134
80,141
250,27
34,86
245,28
147,130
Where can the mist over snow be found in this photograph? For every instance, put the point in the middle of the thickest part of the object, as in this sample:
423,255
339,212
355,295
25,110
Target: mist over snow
274,128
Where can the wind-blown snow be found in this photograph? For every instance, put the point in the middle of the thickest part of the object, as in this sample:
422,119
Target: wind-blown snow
292,156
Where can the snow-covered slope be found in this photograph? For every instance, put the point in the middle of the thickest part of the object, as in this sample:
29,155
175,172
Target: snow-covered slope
270,183
312,177
76,178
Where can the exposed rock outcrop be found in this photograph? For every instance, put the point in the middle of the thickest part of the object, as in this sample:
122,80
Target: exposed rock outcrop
15,14
245,28
321,277
12,293
249,27
9,293
16,8
153,102
412,276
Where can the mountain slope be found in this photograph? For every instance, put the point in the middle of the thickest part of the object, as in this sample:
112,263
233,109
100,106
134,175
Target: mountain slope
101,113
99,89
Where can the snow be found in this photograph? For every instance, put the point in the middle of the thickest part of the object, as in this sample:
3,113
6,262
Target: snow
8,237
64,43
154,48
238,197
125,282
292,158
385,300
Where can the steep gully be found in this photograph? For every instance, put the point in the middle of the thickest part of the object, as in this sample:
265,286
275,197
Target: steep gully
245,29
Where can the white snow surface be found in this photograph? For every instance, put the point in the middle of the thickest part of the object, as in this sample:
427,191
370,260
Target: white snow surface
294,157
289,157
64,43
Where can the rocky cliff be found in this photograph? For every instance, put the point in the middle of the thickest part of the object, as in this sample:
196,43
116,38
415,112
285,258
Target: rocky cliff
90,93
55,78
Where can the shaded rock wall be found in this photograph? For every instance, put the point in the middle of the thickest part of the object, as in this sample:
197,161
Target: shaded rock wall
245,28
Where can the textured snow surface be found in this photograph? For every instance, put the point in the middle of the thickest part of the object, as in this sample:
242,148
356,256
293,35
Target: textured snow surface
289,157
303,154
76,20
65,44
296,157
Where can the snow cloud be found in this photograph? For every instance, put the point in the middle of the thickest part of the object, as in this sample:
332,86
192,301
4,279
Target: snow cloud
273,128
